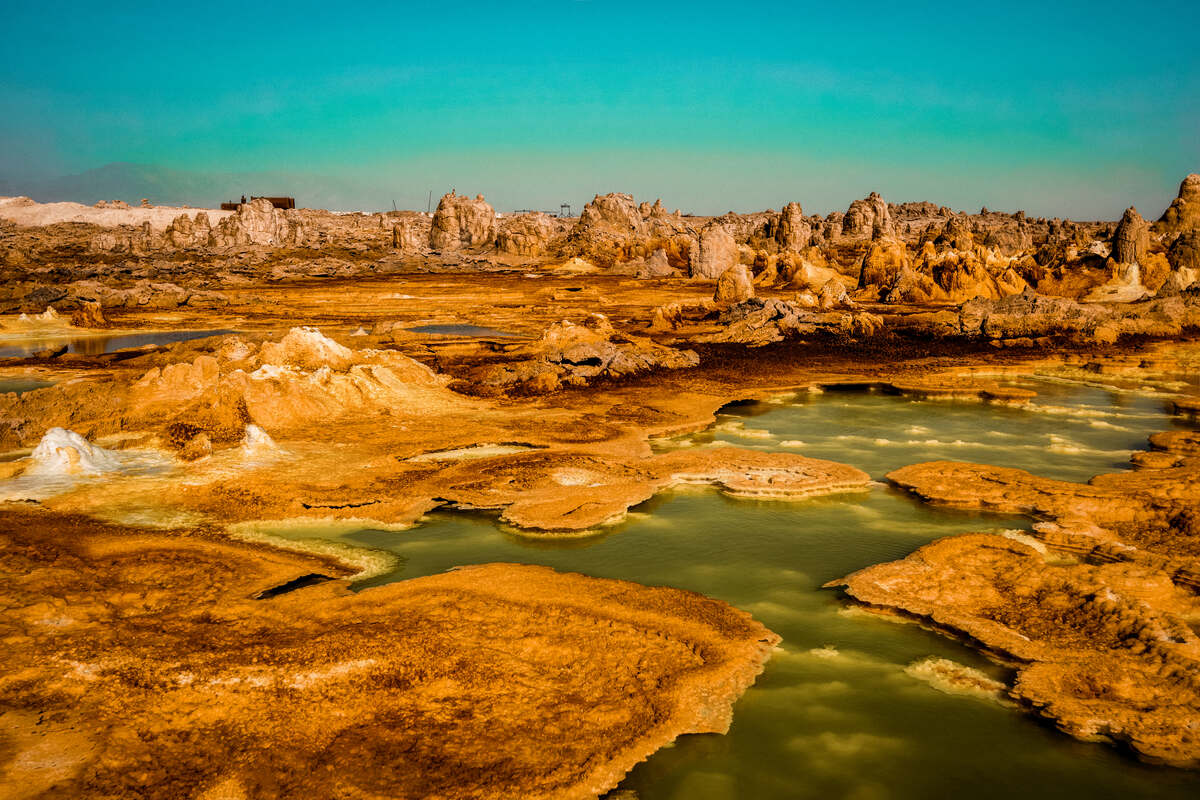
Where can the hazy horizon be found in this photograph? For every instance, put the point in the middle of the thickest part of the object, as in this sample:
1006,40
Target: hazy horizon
1059,111
164,186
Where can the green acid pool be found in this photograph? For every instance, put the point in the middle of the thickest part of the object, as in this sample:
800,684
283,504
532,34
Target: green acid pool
839,713
22,385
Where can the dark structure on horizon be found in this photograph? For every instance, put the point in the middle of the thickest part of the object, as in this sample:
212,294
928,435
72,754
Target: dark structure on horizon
564,211
278,202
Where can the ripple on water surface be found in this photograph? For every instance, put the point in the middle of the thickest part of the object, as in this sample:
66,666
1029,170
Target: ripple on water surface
1067,432
847,708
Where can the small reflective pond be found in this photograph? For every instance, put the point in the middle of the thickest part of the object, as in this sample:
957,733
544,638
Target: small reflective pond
462,330
22,385
26,346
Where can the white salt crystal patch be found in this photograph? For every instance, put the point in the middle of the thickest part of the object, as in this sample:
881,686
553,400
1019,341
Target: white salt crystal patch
64,452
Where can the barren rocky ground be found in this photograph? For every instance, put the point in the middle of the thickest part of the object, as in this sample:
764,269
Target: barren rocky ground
156,656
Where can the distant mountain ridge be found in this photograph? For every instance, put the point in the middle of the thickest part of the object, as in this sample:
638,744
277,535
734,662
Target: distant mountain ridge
165,186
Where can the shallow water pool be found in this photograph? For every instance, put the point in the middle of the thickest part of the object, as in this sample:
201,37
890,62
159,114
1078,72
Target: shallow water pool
1068,431
26,346
462,330
837,713
22,385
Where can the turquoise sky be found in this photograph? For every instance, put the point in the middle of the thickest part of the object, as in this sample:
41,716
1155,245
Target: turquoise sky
1078,110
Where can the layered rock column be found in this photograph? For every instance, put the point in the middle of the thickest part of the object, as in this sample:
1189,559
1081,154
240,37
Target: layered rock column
1131,241
793,231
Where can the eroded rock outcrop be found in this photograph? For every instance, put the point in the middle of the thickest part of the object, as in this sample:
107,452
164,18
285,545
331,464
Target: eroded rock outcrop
613,229
1183,257
575,354
793,231
756,322
608,228
1131,242
1184,252
715,252
462,223
735,285
882,263
186,231
90,314
259,223
527,234
1125,285
956,234
656,266
1030,316
410,233
1184,212
949,268
868,218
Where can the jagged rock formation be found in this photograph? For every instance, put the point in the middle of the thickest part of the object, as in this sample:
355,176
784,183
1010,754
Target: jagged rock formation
1183,257
462,223
868,218
756,322
575,354
882,263
948,268
656,266
1184,252
916,219
90,314
1008,234
809,277
968,275
139,241
613,229
749,229
955,235
527,234
911,286
189,243
1184,212
715,251
612,216
609,230
1131,242
1029,316
254,224
735,285
410,232
985,254
793,231
188,232
259,223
